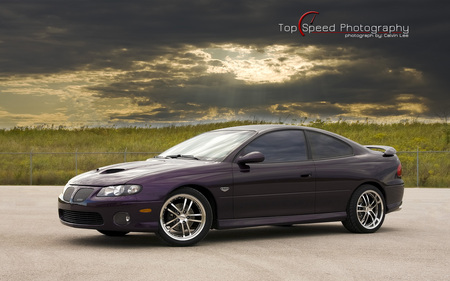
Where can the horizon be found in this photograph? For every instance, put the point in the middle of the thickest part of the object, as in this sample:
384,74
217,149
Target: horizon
294,122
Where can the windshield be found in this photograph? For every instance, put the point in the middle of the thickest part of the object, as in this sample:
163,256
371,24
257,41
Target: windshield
211,146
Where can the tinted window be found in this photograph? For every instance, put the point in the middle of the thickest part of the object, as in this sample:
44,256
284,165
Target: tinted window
281,146
215,145
324,146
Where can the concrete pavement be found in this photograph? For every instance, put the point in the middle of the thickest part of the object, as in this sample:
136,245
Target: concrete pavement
413,244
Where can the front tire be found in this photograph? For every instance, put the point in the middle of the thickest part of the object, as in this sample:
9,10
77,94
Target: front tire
185,218
365,211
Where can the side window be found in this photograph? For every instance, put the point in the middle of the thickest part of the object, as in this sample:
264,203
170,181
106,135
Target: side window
280,146
324,146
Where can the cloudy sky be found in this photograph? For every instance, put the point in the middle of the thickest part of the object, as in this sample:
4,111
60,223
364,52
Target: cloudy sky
105,62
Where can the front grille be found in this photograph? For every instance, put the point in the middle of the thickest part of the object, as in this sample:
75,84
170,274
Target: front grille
82,194
89,218
68,193
79,195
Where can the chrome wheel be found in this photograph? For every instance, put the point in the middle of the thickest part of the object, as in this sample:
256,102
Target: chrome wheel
370,209
185,218
366,210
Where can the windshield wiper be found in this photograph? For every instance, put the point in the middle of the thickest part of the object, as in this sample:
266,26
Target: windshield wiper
181,156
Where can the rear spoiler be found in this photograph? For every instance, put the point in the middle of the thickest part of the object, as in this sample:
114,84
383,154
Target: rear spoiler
388,150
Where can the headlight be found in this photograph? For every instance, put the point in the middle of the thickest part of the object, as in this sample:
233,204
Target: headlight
119,190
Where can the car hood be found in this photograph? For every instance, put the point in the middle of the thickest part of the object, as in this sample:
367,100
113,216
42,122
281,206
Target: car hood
125,172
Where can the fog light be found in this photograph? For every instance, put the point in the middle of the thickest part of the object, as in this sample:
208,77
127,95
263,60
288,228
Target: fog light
122,218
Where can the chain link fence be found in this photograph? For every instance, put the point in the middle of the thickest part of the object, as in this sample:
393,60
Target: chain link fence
420,168
425,168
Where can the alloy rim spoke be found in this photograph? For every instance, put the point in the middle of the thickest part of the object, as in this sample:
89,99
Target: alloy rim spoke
184,206
182,229
188,229
170,210
189,207
372,220
175,207
173,226
195,215
377,221
373,203
170,222
366,200
364,218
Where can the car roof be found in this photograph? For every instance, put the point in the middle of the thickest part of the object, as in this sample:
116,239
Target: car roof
261,128
275,127
271,127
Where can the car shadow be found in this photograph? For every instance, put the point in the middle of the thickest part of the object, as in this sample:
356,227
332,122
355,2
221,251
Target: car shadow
139,240
274,232
132,240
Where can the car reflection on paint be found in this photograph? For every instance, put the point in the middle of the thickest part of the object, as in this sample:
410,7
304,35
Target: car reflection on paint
239,177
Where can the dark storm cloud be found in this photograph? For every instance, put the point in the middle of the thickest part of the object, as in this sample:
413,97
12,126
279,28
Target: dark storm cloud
44,37
364,80
47,36
390,111
78,32
159,114
324,108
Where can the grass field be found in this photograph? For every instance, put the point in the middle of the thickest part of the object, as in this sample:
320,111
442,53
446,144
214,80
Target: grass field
124,143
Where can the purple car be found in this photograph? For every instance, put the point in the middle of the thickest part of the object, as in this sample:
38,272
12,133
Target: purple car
239,177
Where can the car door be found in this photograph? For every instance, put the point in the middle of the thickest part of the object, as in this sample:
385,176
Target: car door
336,171
283,184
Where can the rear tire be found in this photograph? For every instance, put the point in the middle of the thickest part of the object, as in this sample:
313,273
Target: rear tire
365,211
185,218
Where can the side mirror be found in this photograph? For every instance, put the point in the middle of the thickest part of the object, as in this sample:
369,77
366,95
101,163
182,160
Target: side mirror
252,157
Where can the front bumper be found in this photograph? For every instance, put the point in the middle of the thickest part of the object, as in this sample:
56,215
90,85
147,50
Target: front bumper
125,214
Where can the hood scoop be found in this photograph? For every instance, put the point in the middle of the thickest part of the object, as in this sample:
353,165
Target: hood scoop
111,171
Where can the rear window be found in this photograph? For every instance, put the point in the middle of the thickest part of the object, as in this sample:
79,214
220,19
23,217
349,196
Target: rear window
325,146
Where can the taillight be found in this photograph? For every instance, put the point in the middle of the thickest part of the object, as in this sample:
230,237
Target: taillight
399,170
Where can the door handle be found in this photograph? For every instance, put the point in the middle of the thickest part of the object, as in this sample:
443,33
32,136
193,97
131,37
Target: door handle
304,176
